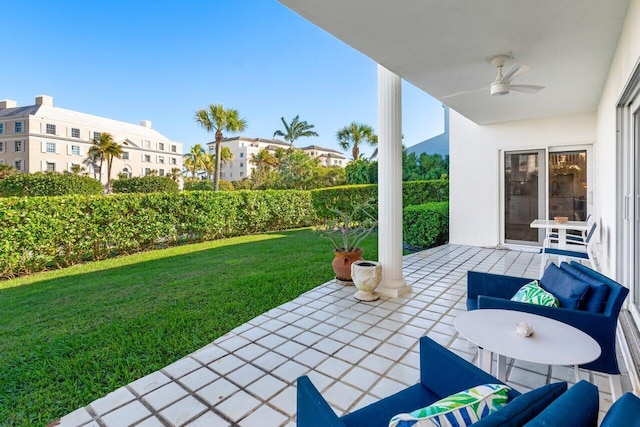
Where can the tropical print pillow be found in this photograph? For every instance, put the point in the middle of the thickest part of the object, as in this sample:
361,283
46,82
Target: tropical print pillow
460,409
532,293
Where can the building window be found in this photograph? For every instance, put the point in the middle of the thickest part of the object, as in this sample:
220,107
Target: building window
75,150
1,127
241,173
174,149
75,133
51,147
1,146
18,164
17,146
96,135
160,172
161,159
18,127
147,158
51,129
241,154
241,164
51,167
125,155
147,171
160,146
125,171
146,143
173,161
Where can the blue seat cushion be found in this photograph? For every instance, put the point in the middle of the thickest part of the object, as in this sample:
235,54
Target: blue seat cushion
597,294
569,290
524,407
624,412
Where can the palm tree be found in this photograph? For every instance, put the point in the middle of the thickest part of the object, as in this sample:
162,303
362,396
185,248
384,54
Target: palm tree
294,130
7,170
77,170
217,119
175,174
105,148
194,159
355,134
263,161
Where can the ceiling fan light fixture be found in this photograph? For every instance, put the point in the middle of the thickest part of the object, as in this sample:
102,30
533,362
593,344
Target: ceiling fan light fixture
498,89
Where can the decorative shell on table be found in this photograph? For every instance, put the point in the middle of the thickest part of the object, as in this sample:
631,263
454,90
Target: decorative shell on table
524,329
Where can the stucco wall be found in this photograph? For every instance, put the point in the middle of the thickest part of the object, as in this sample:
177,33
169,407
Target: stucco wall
475,168
624,62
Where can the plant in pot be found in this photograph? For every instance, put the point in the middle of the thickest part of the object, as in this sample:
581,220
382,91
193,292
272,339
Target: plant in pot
346,231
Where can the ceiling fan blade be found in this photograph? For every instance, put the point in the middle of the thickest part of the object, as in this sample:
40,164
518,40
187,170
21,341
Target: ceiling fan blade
514,72
464,92
530,89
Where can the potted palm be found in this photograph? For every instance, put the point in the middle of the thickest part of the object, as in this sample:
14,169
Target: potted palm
346,231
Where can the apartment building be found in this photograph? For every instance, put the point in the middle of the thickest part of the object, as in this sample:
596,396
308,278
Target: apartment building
41,137
244,148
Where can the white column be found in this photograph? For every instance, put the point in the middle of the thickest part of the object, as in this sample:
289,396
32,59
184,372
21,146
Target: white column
390,183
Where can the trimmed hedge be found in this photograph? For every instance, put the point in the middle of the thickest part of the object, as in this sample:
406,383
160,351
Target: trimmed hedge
54,232
426,225
344,197
206,185
48,184
145,184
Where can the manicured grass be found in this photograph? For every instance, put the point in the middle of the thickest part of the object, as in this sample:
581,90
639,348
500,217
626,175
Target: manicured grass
68,337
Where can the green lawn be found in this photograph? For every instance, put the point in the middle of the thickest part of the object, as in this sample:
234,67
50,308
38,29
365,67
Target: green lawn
68,337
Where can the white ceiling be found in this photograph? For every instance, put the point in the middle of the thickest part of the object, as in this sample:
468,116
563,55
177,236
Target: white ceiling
441,46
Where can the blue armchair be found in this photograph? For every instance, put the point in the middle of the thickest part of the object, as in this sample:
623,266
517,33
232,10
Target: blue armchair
442,373
486,290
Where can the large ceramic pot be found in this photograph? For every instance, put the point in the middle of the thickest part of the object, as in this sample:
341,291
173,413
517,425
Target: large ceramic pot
342,264
366,275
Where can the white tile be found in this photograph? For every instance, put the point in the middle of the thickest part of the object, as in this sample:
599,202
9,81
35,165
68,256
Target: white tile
152,421
266,387
269,361
209,419
404,374
350,354
75,418
307,338
233,343
254,333
264,416
238,405
250,352
290,371
217,391
289,348
386,387
271,341
376,363
184,410
198,379
165,396
226,364
209,354
341,395
328,346
285,401
149,383
391,351
112,400
365,343
333,367
360,378
310,357
126,415
183,366
245,375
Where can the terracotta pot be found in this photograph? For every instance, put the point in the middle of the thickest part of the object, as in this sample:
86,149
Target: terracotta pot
342,263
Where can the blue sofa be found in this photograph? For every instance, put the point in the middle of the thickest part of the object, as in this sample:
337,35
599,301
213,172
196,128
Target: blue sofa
486,290
443,373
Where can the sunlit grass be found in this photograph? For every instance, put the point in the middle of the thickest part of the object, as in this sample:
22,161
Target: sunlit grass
71,336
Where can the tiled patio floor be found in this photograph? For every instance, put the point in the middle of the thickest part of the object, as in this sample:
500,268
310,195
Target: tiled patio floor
354,352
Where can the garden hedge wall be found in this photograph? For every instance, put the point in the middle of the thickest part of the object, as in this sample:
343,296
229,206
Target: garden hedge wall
426,225
145,184
48,184
343,197
52,232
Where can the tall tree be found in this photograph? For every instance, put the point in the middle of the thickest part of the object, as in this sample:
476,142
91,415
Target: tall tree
354,135
104,149
7,170
216,118
263,161
194,160
294,130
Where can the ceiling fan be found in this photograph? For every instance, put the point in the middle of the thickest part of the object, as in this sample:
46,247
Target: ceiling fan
502,84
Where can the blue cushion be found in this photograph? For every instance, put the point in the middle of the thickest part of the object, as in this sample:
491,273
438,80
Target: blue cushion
569,290
596,295
577,407
624,412
523,408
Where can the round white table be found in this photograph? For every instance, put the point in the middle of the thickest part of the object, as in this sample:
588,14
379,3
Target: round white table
552,342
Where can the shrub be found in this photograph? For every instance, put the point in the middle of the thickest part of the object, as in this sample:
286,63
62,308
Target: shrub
344,197
54,232
145,184
194,184
426,225
48,184
225,185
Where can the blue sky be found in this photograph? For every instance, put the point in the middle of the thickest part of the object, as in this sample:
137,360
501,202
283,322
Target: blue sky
162,60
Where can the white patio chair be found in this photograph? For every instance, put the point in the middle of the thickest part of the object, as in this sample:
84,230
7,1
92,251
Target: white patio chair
576,249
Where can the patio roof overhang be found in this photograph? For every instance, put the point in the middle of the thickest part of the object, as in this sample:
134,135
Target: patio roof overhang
442,47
